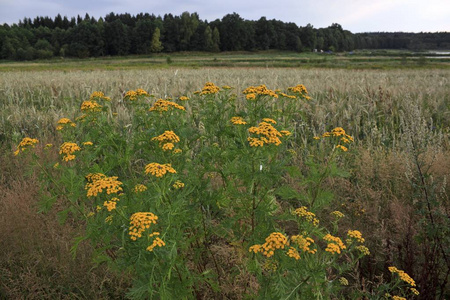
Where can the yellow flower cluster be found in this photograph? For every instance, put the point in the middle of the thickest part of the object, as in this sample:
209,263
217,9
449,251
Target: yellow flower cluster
178,185
398,298
292,252
267,135
99,96
25,144
65,122
304,243
335,244
238,121
414,291
111,204
183,98
301,90
339,132
259,90
274,241
268,120
308,215
164,105
133,95
68,149
337,214
285,132
403,276
157,242
355,234
227,87
363,249
90,107
139,222
139,188
288,96
209,88
159,170
167,136
98,182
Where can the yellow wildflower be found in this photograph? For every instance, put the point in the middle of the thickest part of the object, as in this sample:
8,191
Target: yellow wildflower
159,170
335,244
209,88
88,144
268,120
164,105
167,136
398,298
25,144
68,149
111,204
274,241
268,134
99,96
304,213
90,107
292,252
98,182
183,98
337,214
238,121
303,243
139,188
414,291
403,276
109,219
363,249
176,151
255,142
355,234
157,242
178,185
227,87
259,90
285,132
299,89
250,97
343,148
64,122
139,222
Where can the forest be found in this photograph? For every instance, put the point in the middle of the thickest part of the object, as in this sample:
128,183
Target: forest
144,33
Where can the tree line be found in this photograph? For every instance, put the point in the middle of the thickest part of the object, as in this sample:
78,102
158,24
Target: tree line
125,34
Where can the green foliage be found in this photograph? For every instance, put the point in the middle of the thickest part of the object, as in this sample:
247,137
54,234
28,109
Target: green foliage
161,195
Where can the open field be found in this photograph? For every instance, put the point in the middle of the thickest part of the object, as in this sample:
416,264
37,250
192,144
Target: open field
357,60
393,187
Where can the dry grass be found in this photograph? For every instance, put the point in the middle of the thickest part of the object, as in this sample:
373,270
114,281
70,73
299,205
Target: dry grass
36,262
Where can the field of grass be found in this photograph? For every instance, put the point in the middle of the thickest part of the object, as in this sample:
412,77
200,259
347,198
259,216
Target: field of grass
268,59
395,189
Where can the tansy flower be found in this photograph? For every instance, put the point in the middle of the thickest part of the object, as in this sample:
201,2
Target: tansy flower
303,243
337,214
304,213
25,144
90,107
139,222
343,148
167,136
209,88
300,89
274,241
164,105
157,242
178,185
270,120
159,170
68,149
99,96
139,188
363,249
88,144
403,276
355,234
238,121
65,122
99,182
335,244
183,98
343,281
259,90
292,252
111,204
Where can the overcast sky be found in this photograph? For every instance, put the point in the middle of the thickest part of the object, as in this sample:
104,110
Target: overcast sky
353,15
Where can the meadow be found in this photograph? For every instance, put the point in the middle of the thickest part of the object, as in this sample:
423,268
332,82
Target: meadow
344,177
